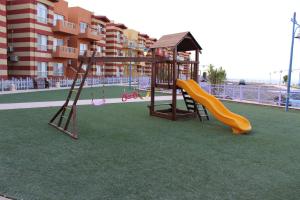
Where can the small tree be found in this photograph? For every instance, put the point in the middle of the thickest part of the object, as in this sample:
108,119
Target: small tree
285,79
216,75
204,76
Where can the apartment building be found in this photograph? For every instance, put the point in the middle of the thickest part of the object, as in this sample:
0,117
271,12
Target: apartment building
130,49
3,40
142,51
184,68
114,47
43,38
91,37
30,37
148,66
64,53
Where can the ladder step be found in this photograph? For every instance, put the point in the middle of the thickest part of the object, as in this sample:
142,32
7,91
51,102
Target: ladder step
203,115
190,103
189,98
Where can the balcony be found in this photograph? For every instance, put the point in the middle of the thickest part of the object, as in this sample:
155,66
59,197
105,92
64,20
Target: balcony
129,44
65,27
65,52
91,34
141,47
90,53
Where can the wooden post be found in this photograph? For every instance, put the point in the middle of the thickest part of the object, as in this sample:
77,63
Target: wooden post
174,92
168,75
196,67
153,81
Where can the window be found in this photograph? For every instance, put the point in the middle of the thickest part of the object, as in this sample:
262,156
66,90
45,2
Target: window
42,41
42,13
99,49
42,70
99,28
119,52
58,17
118,37
99,70
83,27
57,42
118,74
83,48
84,67
58,69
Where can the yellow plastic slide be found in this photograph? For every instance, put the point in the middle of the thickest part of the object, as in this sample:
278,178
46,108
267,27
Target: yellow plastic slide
238,123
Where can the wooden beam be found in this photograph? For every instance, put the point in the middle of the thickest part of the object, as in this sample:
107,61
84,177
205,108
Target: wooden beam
121,59
174,92
196,66
153,82
132,59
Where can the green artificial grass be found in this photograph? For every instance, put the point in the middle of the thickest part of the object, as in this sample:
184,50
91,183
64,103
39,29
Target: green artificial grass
123,153
60,95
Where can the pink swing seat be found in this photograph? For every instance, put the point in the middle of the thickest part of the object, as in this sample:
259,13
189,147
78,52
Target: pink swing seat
98,102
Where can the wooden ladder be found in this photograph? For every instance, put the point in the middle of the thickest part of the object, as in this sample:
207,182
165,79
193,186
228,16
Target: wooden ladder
67,113
193,106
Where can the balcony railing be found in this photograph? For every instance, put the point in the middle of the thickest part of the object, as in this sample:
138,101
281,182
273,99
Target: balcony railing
91,34
65,52
65,27
129,44
90,53
100,54
42,20
141,47
41,47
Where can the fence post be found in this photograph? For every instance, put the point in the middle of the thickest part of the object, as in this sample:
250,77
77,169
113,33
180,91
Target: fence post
224,91
27,83
241,93
258,94
279,99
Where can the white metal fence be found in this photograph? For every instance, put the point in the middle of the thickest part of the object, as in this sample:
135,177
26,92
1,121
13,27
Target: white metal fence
257,94
28,83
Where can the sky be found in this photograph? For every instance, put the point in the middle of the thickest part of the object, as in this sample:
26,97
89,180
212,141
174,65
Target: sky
249,38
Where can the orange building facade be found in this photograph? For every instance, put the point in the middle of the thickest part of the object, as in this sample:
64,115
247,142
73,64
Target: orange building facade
44,38
3,40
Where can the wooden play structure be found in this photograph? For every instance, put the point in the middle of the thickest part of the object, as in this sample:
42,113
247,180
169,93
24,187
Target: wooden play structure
165,72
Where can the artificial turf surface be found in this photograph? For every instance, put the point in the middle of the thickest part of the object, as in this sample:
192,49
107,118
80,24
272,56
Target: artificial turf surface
60,95
123,153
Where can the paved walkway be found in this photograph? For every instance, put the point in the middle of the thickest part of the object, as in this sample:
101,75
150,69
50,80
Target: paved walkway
15,106
3,198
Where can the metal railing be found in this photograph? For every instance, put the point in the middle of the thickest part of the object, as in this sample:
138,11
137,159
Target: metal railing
254,94
28,83
68,24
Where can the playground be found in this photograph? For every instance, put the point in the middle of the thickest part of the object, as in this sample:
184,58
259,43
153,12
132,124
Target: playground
186,145
125,154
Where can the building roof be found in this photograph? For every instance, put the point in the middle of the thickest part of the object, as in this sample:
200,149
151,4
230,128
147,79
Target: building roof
183,41
121,26
144,35
102,18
